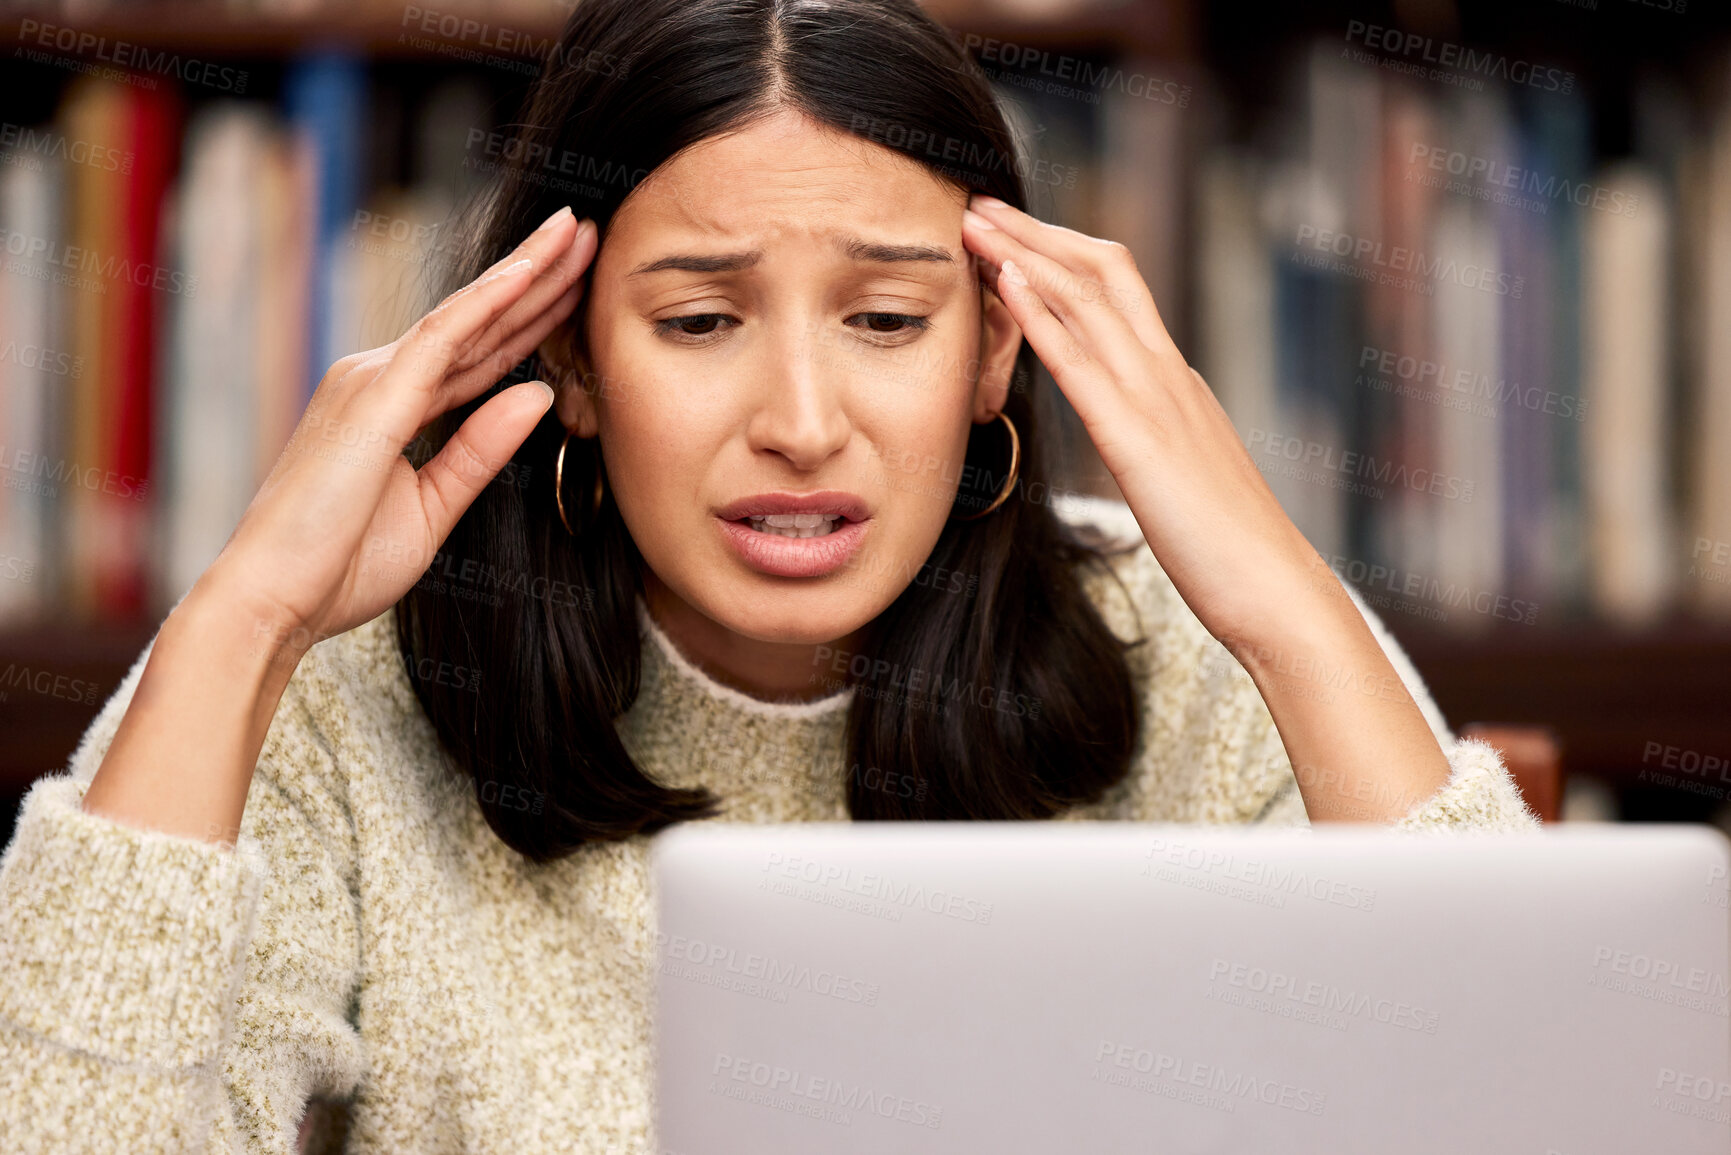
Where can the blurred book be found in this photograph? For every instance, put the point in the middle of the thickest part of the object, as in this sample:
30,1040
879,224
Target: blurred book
1446,341
39,369
1628,363
1489,379
1708,554
117,286
169,316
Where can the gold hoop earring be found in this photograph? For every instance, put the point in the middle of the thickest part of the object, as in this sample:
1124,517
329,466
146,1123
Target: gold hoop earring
1015,465
559,485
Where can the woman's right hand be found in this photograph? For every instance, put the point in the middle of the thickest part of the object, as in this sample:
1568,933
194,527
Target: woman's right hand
297,569
344,524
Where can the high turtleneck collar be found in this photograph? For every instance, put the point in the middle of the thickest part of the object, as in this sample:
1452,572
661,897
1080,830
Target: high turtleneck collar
771,761
686,670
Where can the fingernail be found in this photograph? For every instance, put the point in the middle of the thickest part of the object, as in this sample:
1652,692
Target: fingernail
977,220
992,202
549,390
1013,274
565,211
516,267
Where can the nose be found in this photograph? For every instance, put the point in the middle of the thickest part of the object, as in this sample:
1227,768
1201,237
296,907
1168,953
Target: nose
799,414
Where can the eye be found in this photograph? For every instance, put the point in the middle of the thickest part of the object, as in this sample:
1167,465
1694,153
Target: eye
891,324
694,328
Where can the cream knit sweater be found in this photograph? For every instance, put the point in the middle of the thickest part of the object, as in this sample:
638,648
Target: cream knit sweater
370,943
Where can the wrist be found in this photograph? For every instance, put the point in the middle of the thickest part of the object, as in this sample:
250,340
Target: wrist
252,636
1294,598
1312,625
182,757
1324,656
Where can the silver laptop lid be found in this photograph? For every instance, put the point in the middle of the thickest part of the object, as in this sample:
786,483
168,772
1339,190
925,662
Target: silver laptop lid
1107,987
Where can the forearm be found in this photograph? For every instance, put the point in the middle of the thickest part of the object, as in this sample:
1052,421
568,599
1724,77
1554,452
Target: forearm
1360,748
183,756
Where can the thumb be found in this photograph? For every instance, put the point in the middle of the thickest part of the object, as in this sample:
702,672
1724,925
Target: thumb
476,452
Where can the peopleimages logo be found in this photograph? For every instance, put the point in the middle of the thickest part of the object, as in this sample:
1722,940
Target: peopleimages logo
1463,388
841,1094
1275,876
1658,980
126,56
1326,460
41,258
871,885
1491,172
463,37
25,144
1375,580
1230,1087
964,157
1280,985
769,969
1416,49
1403,260
1063,75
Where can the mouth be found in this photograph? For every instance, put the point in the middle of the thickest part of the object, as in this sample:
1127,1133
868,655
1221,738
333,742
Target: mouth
796,514
795,534
796,524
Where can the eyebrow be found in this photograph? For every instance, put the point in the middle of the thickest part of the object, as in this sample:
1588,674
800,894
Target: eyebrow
855,248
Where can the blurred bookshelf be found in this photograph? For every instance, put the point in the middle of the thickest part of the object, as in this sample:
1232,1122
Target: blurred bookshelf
1541,510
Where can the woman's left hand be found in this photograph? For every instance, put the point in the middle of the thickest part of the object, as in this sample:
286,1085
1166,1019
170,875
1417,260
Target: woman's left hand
1212,521
1208,514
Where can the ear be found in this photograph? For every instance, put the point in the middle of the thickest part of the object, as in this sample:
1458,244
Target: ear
569,375
1000,340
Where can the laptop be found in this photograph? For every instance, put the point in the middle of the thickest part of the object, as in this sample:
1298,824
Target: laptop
1093,988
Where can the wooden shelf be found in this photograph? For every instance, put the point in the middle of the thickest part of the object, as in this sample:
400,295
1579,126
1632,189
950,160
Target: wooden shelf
1147,28
42,727
370,29
1605,692
1163,28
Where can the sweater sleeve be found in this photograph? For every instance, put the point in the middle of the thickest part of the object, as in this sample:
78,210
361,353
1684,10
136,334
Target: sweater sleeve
163,994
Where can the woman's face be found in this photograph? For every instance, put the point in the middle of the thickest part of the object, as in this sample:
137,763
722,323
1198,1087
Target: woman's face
784,321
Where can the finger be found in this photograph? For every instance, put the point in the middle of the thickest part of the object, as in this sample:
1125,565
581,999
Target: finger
546,250
480,447
540,248
1108,265
555,221
472,381
1102,331
551,284
1059,349
400,401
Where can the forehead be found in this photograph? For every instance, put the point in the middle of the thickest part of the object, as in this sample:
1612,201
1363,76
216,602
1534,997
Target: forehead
787,173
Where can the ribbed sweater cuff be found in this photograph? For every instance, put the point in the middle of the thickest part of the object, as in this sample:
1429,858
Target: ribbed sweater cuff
123,943
1479,795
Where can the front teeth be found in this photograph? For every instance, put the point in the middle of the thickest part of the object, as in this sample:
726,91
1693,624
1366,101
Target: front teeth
795,524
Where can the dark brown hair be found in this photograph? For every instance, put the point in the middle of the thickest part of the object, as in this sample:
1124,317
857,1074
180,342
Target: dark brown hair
631,83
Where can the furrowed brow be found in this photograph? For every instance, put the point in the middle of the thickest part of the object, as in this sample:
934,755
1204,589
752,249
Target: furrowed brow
863,250
700,263
856,248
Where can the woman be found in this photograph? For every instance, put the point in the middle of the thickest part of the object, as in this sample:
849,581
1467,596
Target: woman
365,823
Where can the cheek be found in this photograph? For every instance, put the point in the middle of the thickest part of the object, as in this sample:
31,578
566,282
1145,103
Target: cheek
655,445
917,412
918,427
657,448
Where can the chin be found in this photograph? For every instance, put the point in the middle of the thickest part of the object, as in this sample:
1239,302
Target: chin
805,612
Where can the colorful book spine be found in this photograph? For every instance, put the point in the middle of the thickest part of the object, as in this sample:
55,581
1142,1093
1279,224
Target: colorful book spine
325,96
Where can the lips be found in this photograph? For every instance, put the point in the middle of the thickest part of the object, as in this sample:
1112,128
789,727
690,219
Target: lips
795,534
828,501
